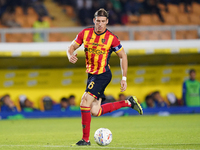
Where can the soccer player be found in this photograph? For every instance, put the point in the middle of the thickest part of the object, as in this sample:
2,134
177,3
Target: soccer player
99,43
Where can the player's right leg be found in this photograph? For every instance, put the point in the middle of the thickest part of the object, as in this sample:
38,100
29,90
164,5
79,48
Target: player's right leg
86,102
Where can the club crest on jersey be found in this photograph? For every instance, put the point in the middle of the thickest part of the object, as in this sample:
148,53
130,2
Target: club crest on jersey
103,40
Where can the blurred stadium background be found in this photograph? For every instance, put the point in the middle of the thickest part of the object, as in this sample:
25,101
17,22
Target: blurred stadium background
161,38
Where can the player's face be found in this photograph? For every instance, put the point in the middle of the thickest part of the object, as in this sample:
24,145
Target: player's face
100,23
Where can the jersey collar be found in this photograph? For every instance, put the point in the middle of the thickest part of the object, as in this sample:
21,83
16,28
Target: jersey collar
100,33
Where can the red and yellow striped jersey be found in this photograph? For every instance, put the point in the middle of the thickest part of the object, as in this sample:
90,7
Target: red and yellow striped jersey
98,48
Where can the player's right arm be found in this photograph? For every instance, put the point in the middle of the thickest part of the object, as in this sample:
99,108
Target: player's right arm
76,43
70,52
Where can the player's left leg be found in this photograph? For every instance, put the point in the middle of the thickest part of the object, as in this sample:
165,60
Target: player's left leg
97,109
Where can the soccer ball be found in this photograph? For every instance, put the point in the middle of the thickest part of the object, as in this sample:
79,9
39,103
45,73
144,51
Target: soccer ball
103,136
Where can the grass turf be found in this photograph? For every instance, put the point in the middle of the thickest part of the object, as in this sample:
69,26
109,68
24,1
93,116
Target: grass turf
131,132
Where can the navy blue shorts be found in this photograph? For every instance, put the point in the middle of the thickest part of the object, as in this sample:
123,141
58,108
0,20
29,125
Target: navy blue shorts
96,84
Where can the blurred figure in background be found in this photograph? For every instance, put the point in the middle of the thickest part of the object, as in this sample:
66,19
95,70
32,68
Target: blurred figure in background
84,13
149,102
151,7
109,98
8,18
46,103
191,90
71,100
64,103
173,100
121,97
26,104
159,101
40,8
95,6
134,7
40,23
114,16
3,7
7,105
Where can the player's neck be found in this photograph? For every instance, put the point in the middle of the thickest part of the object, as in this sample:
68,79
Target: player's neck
100,32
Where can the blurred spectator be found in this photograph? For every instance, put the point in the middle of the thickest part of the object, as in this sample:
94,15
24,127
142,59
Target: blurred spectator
46,103
26,104
121,97
173,101
24,4
151,7
7,104
186,4
123,5
149,102
108,99
65,2
84,14
40,8
134,7
8,18
116,5
40,23
191,90
95,7
114,16
71,100
64,103
159,101
3,7
84,3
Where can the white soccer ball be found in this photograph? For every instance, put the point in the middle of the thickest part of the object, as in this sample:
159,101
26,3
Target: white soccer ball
103,136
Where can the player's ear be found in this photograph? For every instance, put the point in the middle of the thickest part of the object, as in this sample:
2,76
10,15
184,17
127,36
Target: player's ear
107,21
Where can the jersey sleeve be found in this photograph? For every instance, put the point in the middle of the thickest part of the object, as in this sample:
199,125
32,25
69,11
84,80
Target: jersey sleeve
79,38
116,45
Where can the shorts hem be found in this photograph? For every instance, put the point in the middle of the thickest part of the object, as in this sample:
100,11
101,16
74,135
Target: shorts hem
92,94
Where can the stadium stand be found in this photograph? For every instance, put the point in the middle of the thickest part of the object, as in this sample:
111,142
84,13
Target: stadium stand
65,14
150,68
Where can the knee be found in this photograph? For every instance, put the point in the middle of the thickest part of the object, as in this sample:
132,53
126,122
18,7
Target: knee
84,101
94,112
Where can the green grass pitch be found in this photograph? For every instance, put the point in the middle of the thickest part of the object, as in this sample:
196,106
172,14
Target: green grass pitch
174,132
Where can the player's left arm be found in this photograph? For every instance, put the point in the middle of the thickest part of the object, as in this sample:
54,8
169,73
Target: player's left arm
124,67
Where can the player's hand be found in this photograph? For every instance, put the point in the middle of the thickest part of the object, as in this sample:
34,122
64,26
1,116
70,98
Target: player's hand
123,85
73,58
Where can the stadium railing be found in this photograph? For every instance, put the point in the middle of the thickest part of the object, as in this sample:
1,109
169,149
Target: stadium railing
131,30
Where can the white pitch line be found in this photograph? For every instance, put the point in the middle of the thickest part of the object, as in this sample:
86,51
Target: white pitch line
88,147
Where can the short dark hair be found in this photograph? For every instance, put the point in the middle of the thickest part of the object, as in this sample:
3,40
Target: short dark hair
2,98
148,97
64,99
101,12
191,70
121,94
71,96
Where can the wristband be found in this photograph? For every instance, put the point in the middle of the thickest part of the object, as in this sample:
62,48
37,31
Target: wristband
124,78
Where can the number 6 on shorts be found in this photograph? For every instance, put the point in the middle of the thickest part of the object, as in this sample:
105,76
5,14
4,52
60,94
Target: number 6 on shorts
91,85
